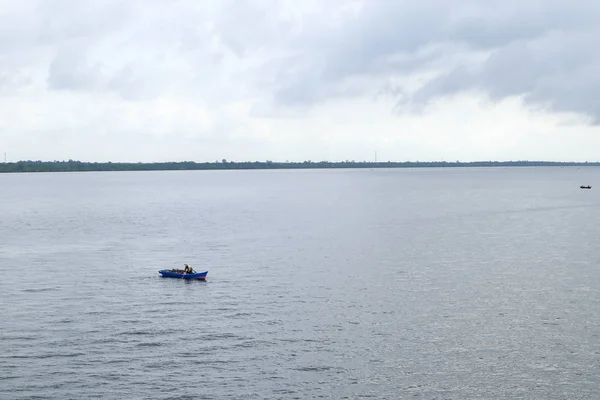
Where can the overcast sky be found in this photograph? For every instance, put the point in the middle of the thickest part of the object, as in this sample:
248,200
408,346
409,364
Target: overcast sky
158,80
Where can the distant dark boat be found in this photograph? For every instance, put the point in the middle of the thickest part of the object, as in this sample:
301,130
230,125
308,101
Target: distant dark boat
178,273
585,187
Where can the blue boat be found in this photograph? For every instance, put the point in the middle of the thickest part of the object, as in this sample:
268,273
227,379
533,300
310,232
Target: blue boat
179,273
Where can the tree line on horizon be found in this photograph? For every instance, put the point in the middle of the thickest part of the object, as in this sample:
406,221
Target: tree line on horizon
74,166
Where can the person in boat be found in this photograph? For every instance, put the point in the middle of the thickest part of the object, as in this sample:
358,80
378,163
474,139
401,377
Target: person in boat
188,269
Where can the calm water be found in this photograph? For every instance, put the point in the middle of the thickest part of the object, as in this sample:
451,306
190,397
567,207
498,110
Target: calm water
388,284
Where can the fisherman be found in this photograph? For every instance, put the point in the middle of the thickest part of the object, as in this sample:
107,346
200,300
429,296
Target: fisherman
187,269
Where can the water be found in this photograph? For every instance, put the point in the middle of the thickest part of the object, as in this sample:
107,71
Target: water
425,283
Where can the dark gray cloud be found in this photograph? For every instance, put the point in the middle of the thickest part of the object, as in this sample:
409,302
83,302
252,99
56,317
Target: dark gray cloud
542,50
556,70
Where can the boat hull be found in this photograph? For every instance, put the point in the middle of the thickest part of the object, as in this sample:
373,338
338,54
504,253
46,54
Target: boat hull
167,273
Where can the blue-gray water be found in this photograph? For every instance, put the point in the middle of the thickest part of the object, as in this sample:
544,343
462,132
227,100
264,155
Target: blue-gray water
422,283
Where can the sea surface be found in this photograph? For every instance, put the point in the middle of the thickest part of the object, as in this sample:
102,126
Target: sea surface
451,283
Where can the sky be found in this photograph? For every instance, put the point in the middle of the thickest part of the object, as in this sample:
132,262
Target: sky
290,80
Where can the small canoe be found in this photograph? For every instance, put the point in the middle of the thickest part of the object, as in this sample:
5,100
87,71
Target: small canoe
178,273
585,187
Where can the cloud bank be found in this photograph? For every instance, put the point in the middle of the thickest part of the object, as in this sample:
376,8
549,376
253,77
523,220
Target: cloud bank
281,79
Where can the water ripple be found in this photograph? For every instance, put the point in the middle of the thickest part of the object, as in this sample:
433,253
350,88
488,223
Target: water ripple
328,284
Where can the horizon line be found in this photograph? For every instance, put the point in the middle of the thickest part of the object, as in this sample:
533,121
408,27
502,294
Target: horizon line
225,161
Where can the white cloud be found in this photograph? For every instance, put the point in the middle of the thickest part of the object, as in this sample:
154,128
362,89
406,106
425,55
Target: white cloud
288,80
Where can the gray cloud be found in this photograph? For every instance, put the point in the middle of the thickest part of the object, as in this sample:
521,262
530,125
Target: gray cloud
136,49
71,70
543,50
59,20
298,54
556,70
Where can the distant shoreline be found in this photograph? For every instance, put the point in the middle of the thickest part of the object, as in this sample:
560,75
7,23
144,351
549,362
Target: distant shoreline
80,166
